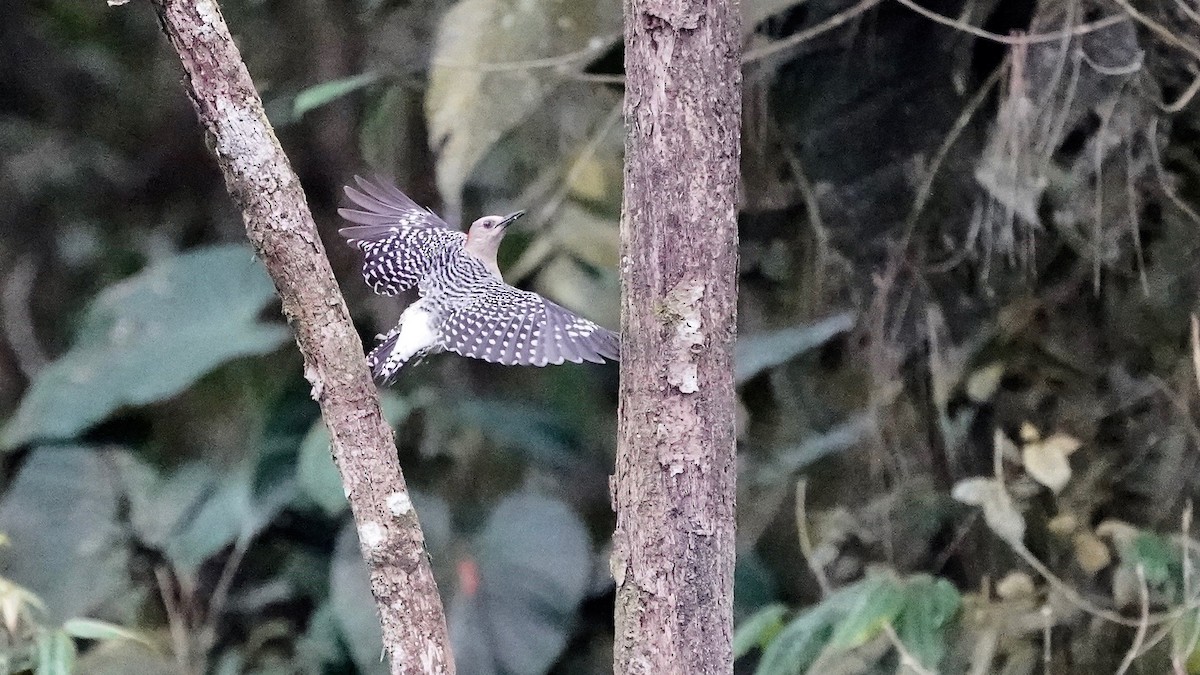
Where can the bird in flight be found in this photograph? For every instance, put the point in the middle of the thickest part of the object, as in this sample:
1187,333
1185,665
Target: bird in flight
464,306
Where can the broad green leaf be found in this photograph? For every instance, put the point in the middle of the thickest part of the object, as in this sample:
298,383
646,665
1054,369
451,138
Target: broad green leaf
758,630
385,132
148,338
482,82
596,296
327,92
194,511
930,606
1185,640
530,572
55,653
321,644
350,598
800,642
61,513
531,430
879,601
758,352
316,473
191,512
95,629
842,437
123,657
353,605
588,236
754,585
1161,560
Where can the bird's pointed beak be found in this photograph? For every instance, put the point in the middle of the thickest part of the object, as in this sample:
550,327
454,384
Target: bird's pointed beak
508,220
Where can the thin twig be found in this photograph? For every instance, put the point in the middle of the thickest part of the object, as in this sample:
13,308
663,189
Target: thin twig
1032,38
1143,621
809,33
1196,348
1161,171
1047,638
16,319
596,45
806,546
176,623
907,660
1159,29
1184,99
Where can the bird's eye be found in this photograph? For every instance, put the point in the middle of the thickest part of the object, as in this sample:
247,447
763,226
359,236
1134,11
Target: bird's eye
488,225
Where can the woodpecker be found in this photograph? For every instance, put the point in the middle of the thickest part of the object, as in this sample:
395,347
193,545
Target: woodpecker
464,305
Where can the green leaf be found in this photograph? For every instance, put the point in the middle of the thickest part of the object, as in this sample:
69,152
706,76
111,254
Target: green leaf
754,585
758,630
879,601
327,92
788,460
758,352
1161,559
800,642
387,130
148,338
95,629
55,653
61,513
353,605
531,430
316,473
930,606
194,511
350,597
321,644
474,98
533,562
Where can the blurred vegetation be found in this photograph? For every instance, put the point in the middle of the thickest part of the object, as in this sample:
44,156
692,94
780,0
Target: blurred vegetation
968,431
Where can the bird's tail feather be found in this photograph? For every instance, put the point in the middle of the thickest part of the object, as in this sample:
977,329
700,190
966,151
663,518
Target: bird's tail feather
386,364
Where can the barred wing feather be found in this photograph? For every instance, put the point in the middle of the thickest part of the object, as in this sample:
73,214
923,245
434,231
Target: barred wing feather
521,328
400,241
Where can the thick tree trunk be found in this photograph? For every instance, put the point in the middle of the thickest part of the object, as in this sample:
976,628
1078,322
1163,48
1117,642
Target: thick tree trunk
280,226
674,487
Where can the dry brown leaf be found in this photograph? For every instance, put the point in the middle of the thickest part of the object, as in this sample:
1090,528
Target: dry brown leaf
1015,585
1047,464
1091,553
983,383
999,511
1064,443
1063,524
1121,533
1029,433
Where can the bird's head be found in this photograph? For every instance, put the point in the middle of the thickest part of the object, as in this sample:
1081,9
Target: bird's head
483,238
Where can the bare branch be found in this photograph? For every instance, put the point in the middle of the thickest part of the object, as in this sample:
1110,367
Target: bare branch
674,487
281,228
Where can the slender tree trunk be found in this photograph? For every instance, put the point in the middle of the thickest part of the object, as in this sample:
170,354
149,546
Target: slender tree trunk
673,549
280,226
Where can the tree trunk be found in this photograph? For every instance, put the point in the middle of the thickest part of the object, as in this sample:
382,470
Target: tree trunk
673,550
280,226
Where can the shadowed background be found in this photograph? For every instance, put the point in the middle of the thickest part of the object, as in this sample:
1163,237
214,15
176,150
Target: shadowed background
956,255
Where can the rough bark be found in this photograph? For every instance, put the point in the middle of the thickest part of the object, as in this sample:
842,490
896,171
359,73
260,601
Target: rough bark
674,486
280,226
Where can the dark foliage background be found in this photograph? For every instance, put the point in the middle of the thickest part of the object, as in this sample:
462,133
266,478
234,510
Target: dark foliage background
968,433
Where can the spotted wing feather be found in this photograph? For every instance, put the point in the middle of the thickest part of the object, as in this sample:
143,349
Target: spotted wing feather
521,328
401,242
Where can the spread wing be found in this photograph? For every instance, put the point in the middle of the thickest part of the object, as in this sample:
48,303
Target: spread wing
400,241
521,328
